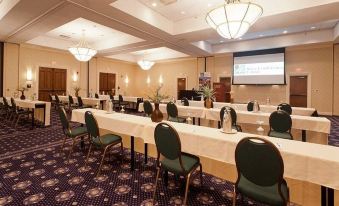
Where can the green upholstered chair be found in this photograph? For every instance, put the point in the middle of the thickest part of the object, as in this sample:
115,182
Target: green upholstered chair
7,108
53,102
19,113
72,133
285,107
170,157
260,172
148,109
280,125
71,104
58,102
185,101
250,106
81,105
104,142
96,95
233,116
172,112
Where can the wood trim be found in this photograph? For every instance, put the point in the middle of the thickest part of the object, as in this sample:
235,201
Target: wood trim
2,68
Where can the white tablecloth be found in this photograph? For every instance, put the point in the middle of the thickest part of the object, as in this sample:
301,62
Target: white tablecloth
264,108
316,124
309,162
308,123
85,100
38,112
125,98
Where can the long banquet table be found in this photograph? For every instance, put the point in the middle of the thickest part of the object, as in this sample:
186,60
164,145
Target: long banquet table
134,100
304,123
85,100
41,109
314,163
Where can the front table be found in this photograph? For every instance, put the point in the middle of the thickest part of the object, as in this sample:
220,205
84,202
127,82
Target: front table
300,159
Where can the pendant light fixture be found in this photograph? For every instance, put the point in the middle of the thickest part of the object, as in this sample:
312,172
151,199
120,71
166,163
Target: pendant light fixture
233,19
82,51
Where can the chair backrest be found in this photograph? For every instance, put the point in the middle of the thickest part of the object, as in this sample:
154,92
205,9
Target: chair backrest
250,106
80,103
96,95
233,114
92,125
57,100
4,99
64,120
111,97
285,107
70,99
185,101
172,110
167,141
13,104
259,161
280,121
121,99
148,107
50,97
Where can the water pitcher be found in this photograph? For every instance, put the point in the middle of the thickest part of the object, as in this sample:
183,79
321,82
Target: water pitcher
227,121
255,106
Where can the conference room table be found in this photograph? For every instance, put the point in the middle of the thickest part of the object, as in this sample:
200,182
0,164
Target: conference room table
314,163
41,109
302,111
85,100
320,126
131,99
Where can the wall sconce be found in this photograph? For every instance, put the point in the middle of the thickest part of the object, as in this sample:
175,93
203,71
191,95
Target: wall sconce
148,81
75,76
29,78
161,81
126,80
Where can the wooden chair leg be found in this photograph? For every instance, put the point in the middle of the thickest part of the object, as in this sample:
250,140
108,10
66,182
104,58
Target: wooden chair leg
234,197
63,144
201,179
156,183
186,188
89,151
122,151
70,152
102,160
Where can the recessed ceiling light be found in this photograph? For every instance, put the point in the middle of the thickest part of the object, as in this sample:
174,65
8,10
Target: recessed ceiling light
183,12
154,4
285,32
313,27
261,35
240,38
221,41
209,5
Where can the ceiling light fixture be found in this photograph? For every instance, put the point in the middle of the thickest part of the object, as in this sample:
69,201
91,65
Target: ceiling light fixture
285,32
233,19
154,4
313,27
82,51
145,65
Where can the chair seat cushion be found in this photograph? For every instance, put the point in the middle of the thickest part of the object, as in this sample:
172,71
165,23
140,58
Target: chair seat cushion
283,135
189,162
107,139
176,119
78,131
269,195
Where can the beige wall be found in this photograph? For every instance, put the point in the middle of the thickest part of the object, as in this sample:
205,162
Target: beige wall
318,61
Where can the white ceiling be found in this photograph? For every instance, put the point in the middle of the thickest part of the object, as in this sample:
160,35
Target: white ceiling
155,54
98,36
126,29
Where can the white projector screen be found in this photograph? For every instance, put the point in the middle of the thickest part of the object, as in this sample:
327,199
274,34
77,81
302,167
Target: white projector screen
259,69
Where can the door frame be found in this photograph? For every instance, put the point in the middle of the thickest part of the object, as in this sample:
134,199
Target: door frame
176,85
309,84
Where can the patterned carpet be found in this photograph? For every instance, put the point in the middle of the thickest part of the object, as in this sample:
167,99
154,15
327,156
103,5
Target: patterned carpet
33,170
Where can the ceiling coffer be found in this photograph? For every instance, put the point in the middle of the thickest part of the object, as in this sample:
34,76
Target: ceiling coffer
167,2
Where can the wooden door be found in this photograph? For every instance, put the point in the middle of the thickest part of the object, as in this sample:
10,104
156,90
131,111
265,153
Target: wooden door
51,81
181,85
111,83
59,81
107,83
227,82
220,92
298,91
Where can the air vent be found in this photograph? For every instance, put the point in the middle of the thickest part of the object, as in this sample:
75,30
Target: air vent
64,36
167,2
